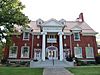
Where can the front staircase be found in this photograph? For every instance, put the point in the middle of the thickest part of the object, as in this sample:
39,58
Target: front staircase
50,63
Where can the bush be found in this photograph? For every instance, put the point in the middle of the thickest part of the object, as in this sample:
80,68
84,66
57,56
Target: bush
79,62
70,59
91,62
17,64
46,57
23,63
97,59
8,64
3,61
35,60
27,64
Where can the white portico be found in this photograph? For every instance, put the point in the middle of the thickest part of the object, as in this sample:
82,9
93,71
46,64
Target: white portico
52,27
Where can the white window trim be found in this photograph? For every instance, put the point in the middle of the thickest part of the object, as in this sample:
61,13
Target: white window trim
78,35
86,53
13,55
22,51
76,54
24,36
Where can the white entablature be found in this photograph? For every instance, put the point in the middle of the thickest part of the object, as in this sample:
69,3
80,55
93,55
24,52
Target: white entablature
52,25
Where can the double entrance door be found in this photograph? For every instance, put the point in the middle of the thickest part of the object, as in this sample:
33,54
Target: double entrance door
52,54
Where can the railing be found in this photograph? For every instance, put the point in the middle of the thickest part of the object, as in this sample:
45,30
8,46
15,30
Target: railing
51,40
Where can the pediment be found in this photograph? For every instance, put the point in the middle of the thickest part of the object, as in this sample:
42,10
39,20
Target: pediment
52,22
76,28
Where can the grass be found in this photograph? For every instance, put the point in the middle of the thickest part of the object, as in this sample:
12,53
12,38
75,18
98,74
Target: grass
20,71
85,70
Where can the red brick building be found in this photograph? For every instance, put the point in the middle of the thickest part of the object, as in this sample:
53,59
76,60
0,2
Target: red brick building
53,39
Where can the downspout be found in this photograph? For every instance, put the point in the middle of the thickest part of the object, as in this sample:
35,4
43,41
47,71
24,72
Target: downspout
70,44
32,47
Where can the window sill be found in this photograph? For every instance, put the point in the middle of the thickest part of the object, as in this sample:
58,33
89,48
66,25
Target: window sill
90,57
77,40
12,57
24,57
26,39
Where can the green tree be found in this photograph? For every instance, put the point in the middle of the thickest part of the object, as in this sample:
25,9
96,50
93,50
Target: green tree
10,15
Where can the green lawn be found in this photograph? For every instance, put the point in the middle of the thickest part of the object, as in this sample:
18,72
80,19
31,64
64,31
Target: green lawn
85,70
20,71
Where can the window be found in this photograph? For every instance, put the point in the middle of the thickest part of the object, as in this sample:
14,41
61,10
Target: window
13,52
25,52
51,36
89,52
78,52
26,36
76,36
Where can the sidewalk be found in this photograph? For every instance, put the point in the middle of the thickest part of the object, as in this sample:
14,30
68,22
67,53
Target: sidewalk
56,71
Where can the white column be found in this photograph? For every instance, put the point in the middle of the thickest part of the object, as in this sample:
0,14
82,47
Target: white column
43,46
61,46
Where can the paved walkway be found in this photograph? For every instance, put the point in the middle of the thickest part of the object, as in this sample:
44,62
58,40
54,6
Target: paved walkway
56,71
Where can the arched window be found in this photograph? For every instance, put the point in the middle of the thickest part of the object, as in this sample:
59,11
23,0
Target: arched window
25,52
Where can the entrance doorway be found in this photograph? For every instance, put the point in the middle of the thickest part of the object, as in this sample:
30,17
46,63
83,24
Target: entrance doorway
52,52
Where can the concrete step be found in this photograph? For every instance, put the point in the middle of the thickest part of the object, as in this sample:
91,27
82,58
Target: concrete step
50,63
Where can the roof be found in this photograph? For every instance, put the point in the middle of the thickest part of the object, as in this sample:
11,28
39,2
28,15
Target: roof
83,25
69,25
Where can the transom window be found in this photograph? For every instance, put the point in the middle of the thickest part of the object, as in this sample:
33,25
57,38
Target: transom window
25,52
76,36
13,52
51,36
26,36
89,52
78,52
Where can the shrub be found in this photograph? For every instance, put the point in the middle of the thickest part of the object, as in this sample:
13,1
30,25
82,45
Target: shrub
23,63
35,60
97,59
3,61
70,59
79,62
27,64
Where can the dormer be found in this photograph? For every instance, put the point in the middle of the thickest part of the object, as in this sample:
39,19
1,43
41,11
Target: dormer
39,21
76,29
62,21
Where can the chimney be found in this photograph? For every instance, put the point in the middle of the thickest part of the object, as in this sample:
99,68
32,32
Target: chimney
81,18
